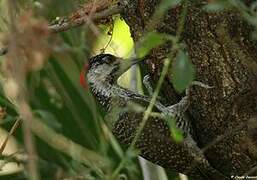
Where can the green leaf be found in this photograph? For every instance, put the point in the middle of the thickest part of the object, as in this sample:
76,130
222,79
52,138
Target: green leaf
49,118
150,41
183,72
176,133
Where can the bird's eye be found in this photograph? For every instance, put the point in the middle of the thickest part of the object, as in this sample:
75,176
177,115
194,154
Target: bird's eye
109,59
116,63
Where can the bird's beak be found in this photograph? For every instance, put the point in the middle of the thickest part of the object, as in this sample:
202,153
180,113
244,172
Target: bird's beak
125,64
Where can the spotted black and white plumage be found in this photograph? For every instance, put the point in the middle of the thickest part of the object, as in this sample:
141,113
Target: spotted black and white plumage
102,78
155,142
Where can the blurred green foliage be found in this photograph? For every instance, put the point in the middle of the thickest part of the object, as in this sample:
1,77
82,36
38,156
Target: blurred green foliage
56,96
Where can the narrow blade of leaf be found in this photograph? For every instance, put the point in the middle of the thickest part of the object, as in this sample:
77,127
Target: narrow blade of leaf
176,133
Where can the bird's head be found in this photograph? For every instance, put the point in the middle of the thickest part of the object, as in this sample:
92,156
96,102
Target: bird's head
106,68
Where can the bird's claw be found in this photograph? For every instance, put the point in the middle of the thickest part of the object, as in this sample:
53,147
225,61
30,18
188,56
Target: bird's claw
198,83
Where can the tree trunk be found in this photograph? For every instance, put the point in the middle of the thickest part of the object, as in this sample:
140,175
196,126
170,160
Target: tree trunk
220,47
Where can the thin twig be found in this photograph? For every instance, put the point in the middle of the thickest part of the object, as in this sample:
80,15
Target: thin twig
24,111
150,171
14,127
147,114
17,72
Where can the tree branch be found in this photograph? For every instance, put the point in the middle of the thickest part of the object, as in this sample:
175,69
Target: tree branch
66,25
115,9
14,127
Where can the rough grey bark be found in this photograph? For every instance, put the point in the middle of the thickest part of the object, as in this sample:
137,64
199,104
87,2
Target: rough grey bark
225,57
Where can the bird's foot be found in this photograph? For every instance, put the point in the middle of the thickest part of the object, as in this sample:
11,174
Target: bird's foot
198,83
179,109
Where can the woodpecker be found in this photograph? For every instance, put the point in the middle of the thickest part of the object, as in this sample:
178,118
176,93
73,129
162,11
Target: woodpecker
155,142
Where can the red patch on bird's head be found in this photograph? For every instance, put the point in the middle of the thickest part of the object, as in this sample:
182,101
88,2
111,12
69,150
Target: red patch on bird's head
83,81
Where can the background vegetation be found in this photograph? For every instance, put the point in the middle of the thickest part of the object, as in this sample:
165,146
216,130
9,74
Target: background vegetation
56,97
48,90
